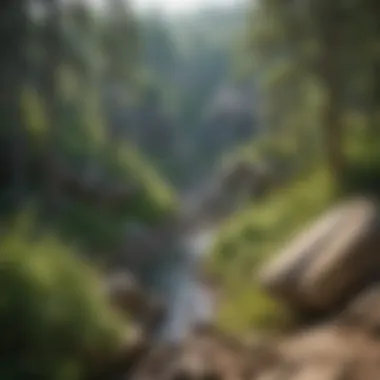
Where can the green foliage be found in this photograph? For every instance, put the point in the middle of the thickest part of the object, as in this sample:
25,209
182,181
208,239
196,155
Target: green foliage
154,191
247,240
54,312
310,90
160,55
119,42
362,148
84,146
58,149
264,150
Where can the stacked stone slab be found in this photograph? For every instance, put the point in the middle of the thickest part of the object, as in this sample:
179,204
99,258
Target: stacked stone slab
331,260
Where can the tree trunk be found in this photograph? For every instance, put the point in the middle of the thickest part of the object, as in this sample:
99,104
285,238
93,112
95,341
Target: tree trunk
333,133
331,73
13,37
374,117
53,55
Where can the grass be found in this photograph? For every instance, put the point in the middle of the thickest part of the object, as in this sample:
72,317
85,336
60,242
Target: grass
250,238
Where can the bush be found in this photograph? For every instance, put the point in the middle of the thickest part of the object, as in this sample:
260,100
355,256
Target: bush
53,311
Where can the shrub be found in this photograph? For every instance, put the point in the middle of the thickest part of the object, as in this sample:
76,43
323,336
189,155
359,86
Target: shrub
52,308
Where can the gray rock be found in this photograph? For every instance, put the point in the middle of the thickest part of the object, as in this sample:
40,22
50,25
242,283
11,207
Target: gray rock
334,257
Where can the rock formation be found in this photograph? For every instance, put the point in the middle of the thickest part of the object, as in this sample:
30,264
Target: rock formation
146,310
333,270
331,260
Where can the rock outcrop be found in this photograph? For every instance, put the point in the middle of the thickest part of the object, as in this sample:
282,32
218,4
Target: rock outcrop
126,294
331,260
231,188
325,352
332,269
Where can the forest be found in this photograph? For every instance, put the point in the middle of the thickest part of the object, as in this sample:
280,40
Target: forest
111,120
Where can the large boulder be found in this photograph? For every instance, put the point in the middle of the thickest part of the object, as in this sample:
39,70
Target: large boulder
333,258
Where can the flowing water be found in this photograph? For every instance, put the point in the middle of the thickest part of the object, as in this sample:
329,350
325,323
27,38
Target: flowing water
190,301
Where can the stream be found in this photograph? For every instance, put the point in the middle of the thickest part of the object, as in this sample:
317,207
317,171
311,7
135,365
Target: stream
190,302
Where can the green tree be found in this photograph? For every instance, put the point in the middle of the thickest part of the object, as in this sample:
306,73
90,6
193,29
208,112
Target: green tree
329,43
